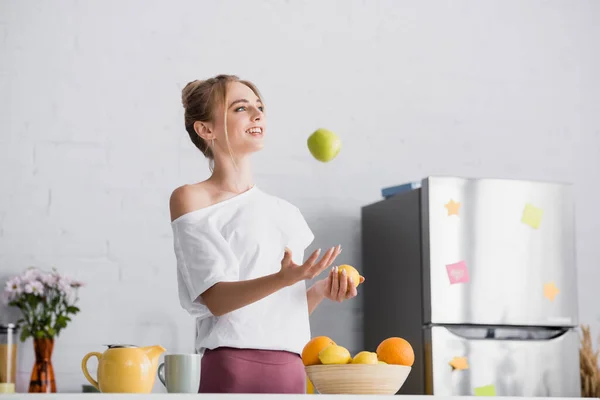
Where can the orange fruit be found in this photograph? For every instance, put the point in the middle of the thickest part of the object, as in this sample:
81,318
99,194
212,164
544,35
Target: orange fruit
396,350
310,353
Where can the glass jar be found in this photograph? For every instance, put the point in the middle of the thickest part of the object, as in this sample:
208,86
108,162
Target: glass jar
8,358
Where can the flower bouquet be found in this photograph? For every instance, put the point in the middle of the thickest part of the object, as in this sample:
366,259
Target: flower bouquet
46,301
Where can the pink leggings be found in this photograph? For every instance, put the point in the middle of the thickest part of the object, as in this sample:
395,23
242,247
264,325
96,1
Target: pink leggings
229,370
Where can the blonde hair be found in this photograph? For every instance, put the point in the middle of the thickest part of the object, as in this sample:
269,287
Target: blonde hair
201,99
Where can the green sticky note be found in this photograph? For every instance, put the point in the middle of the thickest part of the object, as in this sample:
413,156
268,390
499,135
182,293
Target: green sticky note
488,390
532,216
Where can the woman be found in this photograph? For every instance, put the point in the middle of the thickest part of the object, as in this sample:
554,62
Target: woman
239,252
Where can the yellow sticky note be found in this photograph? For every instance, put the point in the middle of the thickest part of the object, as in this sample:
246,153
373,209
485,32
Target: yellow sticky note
532,216
550,291
487,390
459,363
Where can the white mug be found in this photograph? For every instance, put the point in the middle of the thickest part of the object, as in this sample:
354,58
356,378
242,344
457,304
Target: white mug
180,373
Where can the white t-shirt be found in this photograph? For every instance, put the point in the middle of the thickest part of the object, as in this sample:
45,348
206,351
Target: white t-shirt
237,239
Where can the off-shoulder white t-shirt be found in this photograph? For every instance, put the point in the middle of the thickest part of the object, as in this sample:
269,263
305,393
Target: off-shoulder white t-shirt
237,239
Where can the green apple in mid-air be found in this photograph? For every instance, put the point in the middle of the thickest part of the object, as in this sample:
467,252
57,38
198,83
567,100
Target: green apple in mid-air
324,145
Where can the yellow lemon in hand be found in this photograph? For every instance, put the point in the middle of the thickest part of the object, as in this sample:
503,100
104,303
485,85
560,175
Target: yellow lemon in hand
351,272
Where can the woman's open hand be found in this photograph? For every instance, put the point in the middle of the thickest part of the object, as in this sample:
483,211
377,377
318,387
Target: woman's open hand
291,272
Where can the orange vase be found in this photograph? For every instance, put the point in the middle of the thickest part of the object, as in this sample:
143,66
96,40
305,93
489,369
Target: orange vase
42,376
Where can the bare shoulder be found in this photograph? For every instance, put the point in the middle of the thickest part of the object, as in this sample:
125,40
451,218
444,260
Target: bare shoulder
188,198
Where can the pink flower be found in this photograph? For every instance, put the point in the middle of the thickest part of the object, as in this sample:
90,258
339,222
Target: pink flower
32,274
76,283
51,279
13,288
64,285
36,288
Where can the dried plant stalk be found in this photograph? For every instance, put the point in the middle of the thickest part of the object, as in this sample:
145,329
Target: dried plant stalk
589,369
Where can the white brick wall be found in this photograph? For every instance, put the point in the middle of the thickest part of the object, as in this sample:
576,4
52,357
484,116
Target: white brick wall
92,140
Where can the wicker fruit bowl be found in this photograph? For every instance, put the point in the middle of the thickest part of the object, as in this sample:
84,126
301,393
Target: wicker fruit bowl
357,378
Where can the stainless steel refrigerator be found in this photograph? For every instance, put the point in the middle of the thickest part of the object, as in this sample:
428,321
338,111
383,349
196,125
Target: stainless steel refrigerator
479,276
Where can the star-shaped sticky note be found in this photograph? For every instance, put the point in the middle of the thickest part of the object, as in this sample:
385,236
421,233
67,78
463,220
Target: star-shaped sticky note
452,207
532,216
459,363
550,291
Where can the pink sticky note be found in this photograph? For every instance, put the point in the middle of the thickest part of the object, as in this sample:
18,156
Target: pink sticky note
458,272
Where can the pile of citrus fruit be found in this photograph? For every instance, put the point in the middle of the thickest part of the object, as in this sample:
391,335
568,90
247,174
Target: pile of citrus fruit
322,350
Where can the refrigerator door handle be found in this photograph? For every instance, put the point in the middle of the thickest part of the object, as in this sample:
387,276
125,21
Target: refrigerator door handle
507,333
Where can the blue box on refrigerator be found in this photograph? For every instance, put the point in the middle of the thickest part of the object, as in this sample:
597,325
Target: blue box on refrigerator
393,190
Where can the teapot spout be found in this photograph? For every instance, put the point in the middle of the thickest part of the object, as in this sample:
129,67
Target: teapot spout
153,353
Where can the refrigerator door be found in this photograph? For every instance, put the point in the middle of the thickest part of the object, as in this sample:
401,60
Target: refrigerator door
525,363
498,252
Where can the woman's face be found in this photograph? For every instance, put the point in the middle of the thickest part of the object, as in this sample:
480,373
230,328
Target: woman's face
245,121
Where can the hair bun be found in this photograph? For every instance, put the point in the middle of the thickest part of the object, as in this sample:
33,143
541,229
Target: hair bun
187,92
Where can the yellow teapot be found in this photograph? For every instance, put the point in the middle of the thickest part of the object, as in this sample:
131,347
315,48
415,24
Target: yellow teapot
124,368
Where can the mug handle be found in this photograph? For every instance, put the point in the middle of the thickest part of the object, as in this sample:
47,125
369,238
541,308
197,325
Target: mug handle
85,370
161,373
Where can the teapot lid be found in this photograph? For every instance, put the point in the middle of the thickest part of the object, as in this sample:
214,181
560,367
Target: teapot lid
121,346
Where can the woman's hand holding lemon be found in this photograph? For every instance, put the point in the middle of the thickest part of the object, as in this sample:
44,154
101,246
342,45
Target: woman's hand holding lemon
341,283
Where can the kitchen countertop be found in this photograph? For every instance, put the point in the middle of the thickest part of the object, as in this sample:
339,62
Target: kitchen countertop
163,396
